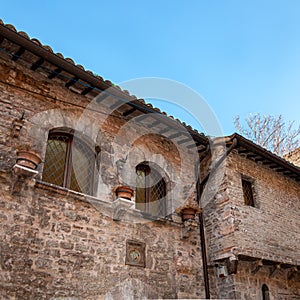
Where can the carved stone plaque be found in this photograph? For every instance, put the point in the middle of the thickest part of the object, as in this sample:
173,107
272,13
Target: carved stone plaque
135,253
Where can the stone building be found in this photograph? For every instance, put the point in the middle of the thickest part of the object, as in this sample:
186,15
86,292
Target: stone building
101,194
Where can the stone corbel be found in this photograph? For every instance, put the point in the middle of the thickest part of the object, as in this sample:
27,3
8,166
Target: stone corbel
189,210
22,176
24,172
258,265
274,270
232,265
188,227
291,272
17,125
120,206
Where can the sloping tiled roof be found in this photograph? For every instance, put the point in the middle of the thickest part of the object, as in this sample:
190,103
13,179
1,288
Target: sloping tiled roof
259,154
89,80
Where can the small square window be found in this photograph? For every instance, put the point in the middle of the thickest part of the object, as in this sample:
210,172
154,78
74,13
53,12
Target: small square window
248,192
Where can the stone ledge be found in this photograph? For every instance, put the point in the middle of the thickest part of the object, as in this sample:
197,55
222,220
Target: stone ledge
119,210
24,171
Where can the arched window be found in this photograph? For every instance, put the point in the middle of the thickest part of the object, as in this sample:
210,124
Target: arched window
265,292
150,190
69,162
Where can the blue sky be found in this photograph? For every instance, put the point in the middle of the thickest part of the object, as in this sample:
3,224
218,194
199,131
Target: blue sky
241,56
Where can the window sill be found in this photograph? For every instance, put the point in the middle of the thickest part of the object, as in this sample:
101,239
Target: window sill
67,192
119,209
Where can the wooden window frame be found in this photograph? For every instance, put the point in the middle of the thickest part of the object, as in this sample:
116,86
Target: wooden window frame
147,169
68,163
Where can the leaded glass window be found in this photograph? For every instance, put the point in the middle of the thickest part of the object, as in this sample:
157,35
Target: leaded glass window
69,163
150,190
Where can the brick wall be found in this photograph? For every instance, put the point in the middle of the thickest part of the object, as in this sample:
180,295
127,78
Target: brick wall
268,231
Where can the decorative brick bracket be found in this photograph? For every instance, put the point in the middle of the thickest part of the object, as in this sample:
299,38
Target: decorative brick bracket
274,269
17,125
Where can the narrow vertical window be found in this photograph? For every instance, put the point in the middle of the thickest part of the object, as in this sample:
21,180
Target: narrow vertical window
248,192
265,292
150,190
69,163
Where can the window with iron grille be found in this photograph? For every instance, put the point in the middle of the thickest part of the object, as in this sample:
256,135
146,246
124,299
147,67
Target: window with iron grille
150,190
248,192
69,163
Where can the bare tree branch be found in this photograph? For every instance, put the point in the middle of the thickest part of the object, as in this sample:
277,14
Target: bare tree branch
271,132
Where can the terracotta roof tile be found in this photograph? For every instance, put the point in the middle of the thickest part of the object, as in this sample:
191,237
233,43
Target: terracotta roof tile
24,34
11,27
108,82
80,67
36,41
70,60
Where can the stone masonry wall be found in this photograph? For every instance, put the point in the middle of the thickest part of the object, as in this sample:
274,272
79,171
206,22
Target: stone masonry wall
47,104
56,243
282,284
